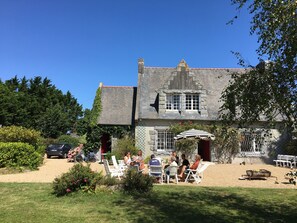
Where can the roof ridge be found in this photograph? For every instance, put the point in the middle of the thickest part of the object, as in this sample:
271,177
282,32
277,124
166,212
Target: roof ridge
117,86
201,68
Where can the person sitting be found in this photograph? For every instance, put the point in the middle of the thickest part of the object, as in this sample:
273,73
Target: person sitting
194,166
176,157
185,165
153,161
127,158
172,163
138,161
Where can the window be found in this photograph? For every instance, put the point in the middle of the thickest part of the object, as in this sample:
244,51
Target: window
192,102
251,142
173,102
165,140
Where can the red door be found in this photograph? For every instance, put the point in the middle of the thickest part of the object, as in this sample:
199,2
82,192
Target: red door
204,149
105,144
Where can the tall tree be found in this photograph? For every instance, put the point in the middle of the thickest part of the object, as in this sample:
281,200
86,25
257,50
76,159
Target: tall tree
270,89
36,103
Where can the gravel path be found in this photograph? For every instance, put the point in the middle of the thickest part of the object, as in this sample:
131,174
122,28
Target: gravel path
222,175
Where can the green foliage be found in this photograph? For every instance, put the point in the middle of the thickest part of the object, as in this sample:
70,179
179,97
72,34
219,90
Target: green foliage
19,155
289,148
73,141
79,177
109,181
270,88
95,133
135,182
123,145
83,123
96,110
147,159
21,134
225,145
37,104
54,122
186,146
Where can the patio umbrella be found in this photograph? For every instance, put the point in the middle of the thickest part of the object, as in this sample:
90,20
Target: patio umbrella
194,133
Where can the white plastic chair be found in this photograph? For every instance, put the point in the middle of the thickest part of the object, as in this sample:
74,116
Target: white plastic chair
172,173
197,174
112,172
121,168
156,171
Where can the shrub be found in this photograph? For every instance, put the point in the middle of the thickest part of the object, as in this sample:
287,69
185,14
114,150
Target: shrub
18,155
135,182
123,145
79,177
109,181
73,141
24,135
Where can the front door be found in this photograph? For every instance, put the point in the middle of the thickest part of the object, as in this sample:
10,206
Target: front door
204,149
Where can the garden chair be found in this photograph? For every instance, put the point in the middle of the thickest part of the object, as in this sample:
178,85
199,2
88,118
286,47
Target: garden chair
112,172
116,165
172,172
156,171
197,174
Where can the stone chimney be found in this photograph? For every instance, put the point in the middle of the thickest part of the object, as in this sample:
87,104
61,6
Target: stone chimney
140,65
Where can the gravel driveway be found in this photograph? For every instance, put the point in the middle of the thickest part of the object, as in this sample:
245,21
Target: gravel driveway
223,175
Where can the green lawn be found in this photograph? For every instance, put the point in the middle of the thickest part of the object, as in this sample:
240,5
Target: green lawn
33,202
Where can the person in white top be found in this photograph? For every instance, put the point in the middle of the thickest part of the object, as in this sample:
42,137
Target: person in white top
127,158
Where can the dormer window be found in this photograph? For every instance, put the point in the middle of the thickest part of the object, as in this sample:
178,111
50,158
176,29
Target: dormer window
172,102
192,102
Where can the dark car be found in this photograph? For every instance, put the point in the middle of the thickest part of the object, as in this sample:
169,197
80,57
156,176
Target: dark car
60,150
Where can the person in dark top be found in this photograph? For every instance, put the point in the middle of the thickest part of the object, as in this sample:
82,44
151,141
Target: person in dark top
153,161
185,165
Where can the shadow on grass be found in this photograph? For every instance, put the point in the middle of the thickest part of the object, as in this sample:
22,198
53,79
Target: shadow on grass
184,204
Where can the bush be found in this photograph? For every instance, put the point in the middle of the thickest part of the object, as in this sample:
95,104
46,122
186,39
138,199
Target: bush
109,181
18,155
79,177
123,145
73,141
24,135
135,182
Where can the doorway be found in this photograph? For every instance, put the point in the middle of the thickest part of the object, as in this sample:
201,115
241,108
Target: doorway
204,149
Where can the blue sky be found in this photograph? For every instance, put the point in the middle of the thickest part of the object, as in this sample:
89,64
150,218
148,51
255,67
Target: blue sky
79,43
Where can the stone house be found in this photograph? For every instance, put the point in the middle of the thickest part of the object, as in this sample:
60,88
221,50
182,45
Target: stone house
165,96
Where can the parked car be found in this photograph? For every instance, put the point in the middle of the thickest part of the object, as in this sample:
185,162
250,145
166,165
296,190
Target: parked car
60,150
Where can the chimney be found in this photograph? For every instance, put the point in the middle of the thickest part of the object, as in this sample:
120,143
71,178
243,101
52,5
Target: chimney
140,65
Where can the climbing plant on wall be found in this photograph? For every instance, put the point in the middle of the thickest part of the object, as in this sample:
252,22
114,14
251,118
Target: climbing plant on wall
225,146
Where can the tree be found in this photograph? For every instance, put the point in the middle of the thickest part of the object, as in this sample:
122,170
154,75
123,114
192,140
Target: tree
270,88
83,123
36,103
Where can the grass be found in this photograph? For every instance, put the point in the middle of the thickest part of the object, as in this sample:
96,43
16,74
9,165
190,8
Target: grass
33,202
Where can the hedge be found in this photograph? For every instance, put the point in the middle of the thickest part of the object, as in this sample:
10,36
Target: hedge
18,155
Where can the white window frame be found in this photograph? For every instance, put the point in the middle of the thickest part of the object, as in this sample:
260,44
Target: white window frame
165,142
173,102
251,143
192,102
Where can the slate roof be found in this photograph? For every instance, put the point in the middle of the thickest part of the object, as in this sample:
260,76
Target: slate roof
124,105
118,105
153,79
